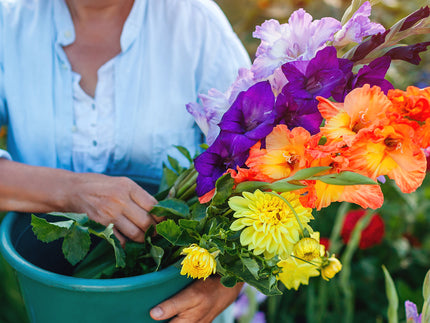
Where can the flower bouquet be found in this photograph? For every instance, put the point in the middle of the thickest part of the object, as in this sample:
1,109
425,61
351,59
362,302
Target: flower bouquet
313,121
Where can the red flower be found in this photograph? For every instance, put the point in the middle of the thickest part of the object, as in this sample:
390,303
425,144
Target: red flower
325,242
370,236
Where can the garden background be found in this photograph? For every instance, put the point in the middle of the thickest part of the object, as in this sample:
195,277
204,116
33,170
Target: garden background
357,294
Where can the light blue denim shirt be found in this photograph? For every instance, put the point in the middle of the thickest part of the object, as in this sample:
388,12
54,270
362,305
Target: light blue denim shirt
172,50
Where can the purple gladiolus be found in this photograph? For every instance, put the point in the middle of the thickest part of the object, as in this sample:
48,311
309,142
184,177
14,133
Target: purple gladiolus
408,53
223,154
358,27
412,315
300,39
252,114
372,74
296,105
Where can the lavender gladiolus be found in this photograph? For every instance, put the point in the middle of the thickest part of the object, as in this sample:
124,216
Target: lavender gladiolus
412,315
300,39
358,27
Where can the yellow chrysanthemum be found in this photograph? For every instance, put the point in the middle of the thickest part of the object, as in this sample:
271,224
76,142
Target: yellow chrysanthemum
333,267
269,224
307,249
295,272
198,263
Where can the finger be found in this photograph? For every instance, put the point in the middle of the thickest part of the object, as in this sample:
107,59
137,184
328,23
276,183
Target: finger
173,306
129,229
120,237
142,198
139,217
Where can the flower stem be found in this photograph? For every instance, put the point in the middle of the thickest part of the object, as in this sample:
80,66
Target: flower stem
292,209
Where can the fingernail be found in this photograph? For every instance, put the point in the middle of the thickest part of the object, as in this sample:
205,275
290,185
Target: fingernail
157,312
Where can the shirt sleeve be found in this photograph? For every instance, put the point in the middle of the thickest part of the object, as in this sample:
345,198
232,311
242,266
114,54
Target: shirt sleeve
223,53
3,105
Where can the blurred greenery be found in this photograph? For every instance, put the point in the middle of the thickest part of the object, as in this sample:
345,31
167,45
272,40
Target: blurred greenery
405,250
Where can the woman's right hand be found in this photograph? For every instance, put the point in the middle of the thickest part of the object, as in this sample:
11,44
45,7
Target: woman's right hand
105,199
116,200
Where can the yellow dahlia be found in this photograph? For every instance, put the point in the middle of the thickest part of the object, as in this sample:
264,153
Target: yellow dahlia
198,262
333,267
295,272
269,224
307,249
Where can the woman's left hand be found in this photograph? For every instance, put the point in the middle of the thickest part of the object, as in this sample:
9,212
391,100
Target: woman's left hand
201,302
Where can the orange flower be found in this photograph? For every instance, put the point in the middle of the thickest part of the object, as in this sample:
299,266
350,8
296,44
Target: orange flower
364,108
284,155
422,136
390,151
413,103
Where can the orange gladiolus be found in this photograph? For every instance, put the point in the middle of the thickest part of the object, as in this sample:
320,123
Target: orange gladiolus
364,108
414,103
284,155
391,151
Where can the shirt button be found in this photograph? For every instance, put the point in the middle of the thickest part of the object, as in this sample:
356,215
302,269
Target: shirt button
74,129
94,143
64,66
93,124
68,34
93,106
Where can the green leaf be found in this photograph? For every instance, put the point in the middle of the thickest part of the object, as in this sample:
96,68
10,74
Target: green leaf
284,186
171,206
46,231
184,151
346,178
307,173
250,186
76,244
157,254
175,164
107,234
228,281
169,178
252,266
198,211
81,218
393,299
223,189
426,287
188,224
169,230
100,261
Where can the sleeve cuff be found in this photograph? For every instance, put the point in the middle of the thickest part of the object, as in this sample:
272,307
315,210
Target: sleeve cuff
5,154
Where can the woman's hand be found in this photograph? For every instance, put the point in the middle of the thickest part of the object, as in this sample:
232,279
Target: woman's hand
116,200
201,302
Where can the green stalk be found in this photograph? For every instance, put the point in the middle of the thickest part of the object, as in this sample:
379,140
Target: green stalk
345,274
335,243
185,183
292,209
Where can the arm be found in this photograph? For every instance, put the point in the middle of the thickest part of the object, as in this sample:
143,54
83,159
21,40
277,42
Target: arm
104,199
202,302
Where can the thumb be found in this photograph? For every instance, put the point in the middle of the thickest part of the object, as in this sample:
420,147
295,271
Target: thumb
172,307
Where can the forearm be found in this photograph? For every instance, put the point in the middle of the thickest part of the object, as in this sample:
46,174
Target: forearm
27,188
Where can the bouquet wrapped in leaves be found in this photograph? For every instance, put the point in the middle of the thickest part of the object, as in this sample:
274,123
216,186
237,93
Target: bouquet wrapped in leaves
313,121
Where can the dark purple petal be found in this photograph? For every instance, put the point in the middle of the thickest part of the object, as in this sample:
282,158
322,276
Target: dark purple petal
408,53
228,151
414,17
367,46
251,113
290,113
320,76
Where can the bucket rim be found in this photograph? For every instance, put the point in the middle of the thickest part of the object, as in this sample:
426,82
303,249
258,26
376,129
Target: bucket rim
24,267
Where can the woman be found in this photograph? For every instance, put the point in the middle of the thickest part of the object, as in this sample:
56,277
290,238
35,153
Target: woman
95,88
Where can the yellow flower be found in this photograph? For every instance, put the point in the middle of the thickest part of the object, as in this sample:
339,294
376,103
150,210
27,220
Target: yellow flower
333,267
198,262
307,249
270,225
295,272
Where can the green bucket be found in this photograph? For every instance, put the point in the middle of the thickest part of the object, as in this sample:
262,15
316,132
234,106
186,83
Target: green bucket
51,296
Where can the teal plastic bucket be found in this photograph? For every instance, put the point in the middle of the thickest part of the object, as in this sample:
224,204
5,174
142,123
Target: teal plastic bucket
51,297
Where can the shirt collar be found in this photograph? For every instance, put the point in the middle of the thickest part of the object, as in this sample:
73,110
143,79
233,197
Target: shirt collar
65,31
